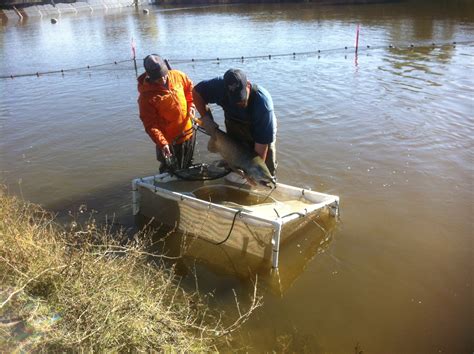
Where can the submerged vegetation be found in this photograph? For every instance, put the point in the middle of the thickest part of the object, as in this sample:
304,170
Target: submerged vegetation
88,288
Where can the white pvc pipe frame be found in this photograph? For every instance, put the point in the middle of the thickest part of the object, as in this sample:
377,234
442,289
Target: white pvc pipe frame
277,224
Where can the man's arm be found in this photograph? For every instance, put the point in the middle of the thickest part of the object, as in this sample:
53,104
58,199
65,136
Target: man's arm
207,120
264,123
208,91
188,93
200,104
147,114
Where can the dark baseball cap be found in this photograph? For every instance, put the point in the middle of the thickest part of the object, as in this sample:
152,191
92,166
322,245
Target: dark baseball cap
155,66
235,82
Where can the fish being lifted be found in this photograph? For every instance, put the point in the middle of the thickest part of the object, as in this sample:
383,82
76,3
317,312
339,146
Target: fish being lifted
240,159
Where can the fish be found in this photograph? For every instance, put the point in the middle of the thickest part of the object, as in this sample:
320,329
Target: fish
237,156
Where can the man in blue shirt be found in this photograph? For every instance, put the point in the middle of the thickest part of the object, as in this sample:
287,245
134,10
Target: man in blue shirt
248,111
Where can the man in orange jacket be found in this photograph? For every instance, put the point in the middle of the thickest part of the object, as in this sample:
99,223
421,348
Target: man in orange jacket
166,109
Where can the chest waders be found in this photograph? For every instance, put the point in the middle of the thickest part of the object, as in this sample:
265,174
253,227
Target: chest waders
182,153
241,130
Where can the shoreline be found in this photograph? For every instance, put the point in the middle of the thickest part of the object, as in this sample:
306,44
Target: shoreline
14,10
84,286
9,4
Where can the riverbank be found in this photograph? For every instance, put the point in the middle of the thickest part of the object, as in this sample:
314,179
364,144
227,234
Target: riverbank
84,287
20,9
328,2
21,3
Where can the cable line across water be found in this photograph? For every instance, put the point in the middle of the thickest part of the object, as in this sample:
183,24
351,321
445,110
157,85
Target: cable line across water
241,58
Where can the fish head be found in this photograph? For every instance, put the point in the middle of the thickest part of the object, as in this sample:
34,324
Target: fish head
258,174
208,124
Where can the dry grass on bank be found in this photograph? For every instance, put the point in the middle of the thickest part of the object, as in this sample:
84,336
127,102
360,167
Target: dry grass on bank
80,289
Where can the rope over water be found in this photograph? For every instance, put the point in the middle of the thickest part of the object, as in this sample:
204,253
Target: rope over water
240,58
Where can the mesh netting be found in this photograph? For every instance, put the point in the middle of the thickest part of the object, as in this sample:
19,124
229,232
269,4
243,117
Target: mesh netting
202,171
203,167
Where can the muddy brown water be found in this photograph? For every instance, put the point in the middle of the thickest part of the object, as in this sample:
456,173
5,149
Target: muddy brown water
389,131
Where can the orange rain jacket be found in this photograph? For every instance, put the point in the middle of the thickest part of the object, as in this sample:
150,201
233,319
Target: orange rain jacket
164,111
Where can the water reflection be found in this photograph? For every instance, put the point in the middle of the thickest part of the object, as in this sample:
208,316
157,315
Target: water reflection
421,58
295,254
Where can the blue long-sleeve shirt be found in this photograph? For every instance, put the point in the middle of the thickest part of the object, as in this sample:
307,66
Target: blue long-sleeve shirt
259,111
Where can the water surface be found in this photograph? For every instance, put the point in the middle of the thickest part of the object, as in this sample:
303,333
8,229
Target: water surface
389,131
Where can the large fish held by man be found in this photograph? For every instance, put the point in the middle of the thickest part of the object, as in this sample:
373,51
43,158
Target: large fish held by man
240,159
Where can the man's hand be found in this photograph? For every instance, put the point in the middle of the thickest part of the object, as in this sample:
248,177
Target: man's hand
191,112
165,150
